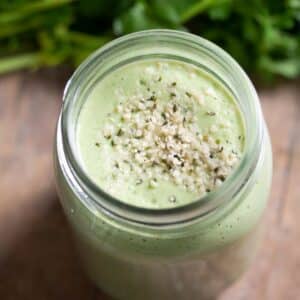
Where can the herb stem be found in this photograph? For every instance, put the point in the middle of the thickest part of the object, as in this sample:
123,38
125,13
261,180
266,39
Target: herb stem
197,8
18,62
30,8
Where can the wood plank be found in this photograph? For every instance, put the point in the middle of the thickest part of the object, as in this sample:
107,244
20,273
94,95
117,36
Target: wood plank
286,275
30,114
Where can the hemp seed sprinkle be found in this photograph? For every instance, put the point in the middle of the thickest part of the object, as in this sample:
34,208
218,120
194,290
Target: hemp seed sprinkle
161,141
211,113
172,199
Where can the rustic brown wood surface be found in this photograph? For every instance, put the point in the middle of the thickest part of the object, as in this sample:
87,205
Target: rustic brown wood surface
37,257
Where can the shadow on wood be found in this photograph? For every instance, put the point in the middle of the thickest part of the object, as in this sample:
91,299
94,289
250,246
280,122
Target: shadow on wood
43,263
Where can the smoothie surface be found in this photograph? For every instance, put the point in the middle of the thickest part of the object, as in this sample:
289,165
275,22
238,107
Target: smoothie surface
159,134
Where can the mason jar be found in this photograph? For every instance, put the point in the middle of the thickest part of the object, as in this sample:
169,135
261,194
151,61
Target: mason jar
188,252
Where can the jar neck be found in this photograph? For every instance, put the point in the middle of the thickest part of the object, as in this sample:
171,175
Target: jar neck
174,45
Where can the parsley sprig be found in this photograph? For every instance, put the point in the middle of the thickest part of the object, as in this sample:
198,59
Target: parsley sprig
264,36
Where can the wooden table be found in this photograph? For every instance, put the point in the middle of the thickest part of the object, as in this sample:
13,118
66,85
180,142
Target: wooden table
37,257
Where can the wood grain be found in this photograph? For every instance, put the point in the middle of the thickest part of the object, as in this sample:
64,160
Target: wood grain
37,257
275,275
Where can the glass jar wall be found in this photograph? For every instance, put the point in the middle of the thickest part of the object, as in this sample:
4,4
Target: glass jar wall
190,252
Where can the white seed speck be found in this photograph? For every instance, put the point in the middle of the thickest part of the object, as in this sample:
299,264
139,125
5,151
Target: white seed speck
108,130
153,183
172,199
199,98
192,74
213,129
150,70
210,92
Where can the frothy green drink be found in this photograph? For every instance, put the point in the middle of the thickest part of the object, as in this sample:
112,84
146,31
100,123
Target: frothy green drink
104,137
154,168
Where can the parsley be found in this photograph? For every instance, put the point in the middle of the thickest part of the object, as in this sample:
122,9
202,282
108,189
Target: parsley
263,36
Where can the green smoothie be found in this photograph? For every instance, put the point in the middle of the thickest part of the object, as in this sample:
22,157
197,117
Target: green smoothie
159,134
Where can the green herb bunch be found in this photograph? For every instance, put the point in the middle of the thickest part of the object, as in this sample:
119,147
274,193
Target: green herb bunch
262,35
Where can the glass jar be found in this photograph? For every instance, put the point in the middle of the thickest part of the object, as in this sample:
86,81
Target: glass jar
189,252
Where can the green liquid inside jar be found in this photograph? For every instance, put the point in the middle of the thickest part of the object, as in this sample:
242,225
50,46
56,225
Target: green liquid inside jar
190,92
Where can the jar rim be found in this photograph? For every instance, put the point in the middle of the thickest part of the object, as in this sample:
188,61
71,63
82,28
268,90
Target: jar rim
166,216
